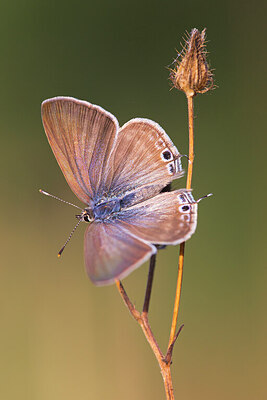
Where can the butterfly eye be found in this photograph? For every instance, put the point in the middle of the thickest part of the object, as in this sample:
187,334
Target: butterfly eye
86,218
166,155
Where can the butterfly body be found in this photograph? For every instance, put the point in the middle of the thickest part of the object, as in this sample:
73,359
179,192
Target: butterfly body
103,210
120,175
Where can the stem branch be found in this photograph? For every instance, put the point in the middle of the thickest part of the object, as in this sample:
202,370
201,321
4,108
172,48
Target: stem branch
149,283
142,319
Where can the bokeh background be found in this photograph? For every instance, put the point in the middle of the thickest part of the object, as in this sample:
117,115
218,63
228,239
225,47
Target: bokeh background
63,338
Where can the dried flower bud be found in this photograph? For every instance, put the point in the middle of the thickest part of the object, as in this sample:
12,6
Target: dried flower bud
192,74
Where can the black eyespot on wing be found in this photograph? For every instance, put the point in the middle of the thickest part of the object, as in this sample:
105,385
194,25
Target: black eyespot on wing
171,168
185,208
166,155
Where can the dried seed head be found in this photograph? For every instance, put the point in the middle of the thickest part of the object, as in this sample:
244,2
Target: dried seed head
191,73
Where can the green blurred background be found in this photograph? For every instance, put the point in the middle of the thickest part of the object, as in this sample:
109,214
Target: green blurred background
63,338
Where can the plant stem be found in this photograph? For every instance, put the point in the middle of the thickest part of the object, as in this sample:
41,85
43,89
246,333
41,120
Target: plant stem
149,283
144,324
190,105
177,294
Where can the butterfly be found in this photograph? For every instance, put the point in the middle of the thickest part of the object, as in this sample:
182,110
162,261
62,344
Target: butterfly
120,175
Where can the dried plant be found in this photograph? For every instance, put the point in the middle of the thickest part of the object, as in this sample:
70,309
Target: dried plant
192,75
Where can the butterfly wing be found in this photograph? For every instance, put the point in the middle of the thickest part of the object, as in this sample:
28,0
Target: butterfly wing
111,253
81,136
168,218
116,246
143,157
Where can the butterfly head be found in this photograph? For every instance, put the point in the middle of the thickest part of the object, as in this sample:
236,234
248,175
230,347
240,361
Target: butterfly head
86,215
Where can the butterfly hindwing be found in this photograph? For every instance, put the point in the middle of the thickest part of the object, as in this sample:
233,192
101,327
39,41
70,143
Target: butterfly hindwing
116,246
111,253
168,218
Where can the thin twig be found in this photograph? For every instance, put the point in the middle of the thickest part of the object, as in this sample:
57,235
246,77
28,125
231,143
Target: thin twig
182,245
142,320
177,294
135,313
149,283
168,357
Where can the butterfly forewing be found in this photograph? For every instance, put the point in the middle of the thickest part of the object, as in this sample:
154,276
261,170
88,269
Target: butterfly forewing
143,157
81,136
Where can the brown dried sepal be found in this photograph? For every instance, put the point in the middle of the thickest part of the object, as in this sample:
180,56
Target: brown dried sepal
192,74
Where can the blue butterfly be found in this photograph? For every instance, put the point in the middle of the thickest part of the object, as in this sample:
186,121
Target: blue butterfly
119,174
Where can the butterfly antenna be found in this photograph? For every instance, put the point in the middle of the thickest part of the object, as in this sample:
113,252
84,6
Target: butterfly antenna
186,156
67,241
57,198
201,198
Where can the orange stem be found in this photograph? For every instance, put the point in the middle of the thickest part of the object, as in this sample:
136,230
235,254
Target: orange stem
190,105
